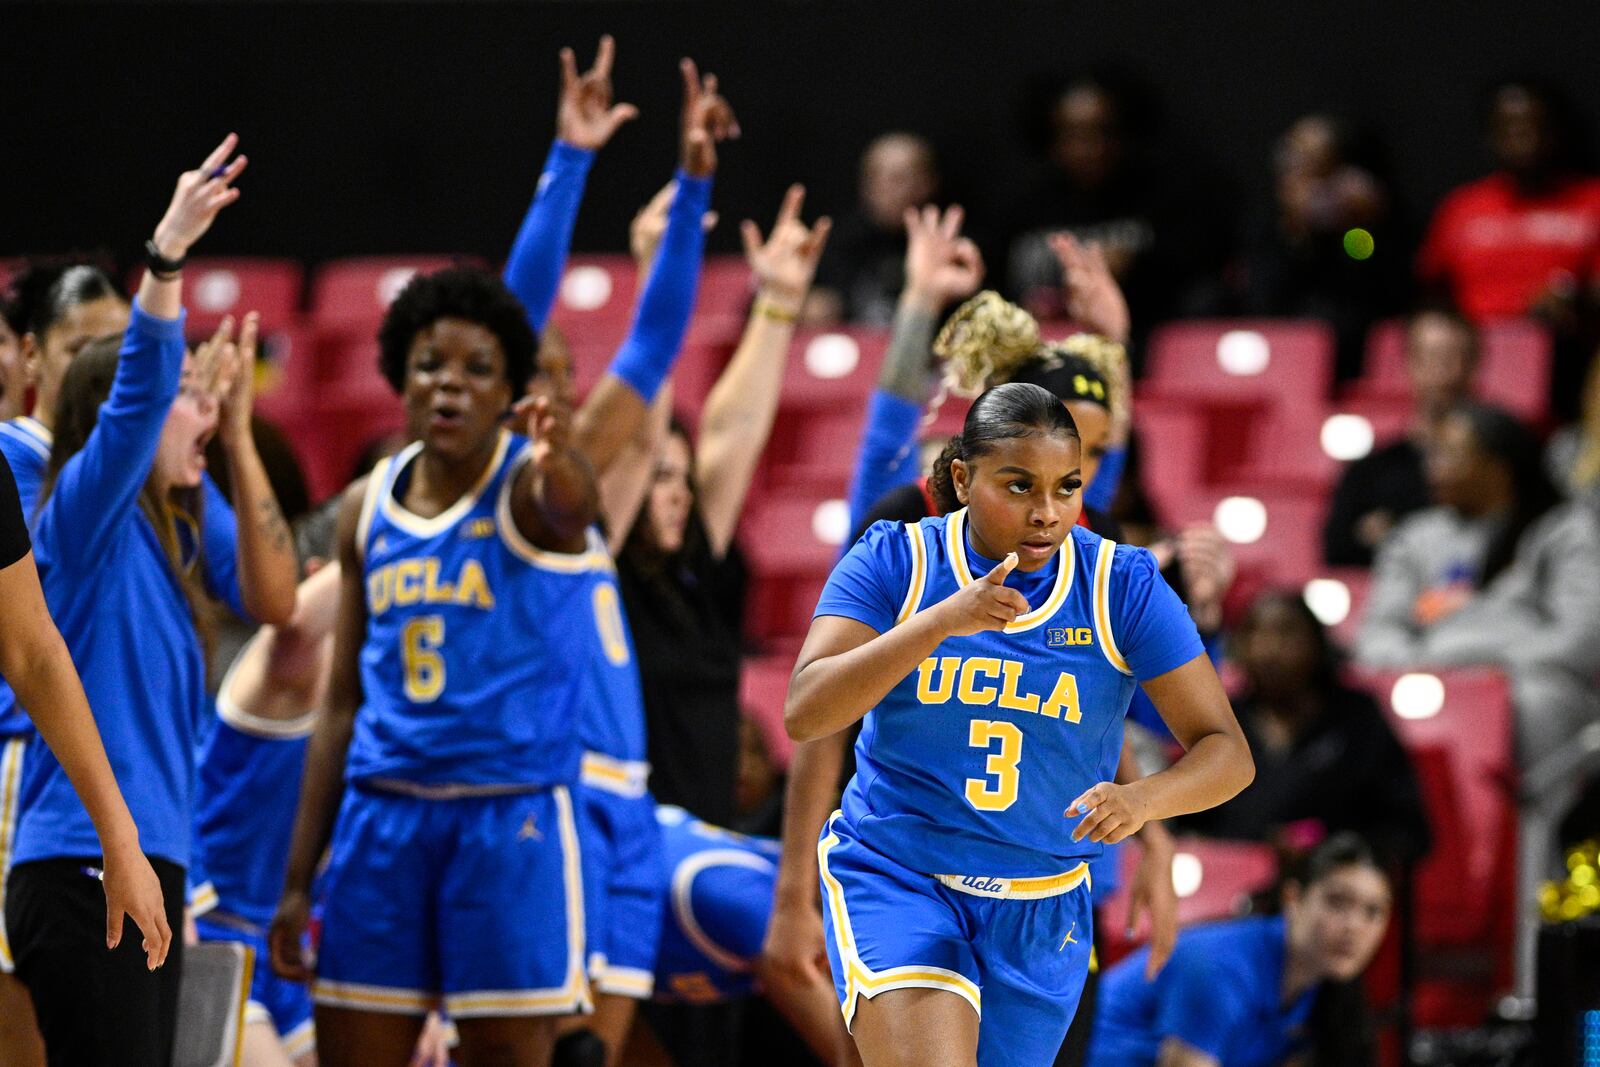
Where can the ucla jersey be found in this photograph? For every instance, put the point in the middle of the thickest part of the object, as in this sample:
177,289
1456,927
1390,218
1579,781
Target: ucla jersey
971,761
249,773
612,721
469,672
719,904
26,445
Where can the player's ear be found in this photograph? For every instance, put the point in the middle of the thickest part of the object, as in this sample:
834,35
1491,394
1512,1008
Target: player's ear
960,478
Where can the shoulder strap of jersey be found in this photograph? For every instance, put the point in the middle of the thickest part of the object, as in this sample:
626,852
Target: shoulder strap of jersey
919,573
1102,605
377,485
594,557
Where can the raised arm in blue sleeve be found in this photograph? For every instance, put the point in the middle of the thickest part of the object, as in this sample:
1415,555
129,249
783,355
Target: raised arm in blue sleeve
99,486
662,317
888,455
533,270
1107,479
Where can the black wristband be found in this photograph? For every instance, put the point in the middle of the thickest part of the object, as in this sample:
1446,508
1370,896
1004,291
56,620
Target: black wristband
160,265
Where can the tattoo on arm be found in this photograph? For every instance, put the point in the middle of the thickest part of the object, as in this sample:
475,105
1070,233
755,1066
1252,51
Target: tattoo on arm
905,366
270,522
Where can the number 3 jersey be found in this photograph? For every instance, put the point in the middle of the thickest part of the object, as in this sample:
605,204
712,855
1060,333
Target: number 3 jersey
475,655
971,761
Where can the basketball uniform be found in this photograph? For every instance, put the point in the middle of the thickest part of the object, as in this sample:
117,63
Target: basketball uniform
719,901
951,865
249,787
26,445
623,864
454,874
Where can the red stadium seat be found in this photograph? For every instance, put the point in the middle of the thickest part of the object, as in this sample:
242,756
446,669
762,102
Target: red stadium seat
1338,597
1241,362
218,286
349,296
1513,370
1304,446
725,287
1173,442
1276,536
790,545
763,686
817,450
833,370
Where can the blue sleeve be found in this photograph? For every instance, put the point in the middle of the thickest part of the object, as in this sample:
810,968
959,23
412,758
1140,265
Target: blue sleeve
1198,1004
733,905
97,489
1152,628
539,254
219,536
662,318
888,455
870,583
1107,479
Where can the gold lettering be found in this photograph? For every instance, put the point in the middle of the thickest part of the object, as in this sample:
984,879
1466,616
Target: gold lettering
380,590
408,581
472,588
947,666
432,591
1064,698
1011,697
970,692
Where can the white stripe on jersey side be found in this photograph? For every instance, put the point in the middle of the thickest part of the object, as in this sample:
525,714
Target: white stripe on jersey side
683,900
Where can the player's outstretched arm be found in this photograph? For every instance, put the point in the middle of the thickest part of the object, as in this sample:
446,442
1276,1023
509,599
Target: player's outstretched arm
554,499
323,781
742,405
35,660
846,667
618,404
1215,766
586,119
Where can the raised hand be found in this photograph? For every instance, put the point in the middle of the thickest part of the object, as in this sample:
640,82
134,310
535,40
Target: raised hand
707,121
132,889
941,265
286,937
545,423
200,195
585,116
650,222
986,604
236,383
1093,296
786,262
1151,892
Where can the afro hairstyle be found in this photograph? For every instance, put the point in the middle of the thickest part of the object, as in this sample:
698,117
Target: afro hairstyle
459,293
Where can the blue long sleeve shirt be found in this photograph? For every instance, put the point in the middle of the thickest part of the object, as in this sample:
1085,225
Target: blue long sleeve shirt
124,617
539,254
26,446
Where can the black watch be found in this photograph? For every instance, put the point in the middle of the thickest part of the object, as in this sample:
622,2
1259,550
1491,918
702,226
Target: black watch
160,265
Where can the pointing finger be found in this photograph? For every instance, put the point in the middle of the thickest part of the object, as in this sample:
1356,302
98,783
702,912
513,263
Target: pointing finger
603,57
1002,569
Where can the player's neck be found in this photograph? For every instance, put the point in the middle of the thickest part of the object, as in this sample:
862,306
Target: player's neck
438,481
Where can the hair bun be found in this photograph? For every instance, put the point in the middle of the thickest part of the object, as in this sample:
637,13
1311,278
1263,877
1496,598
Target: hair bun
985,339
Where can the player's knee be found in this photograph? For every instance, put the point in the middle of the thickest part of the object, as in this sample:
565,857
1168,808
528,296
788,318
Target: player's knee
581,1048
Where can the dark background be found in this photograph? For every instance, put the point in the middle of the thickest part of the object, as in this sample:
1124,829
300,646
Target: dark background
398,127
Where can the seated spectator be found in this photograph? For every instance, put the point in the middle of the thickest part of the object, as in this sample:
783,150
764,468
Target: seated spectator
1497,573
863,269
1526,239
1573,455
1324,752
1295,261
1262,991
1383,487
1097,182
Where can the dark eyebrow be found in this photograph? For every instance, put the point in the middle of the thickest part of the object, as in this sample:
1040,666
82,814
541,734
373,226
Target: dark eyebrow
1016,470
1075,472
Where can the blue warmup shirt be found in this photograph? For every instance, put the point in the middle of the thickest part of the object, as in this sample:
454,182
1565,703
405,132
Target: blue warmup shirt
26,445
124,616
967,765
718,906
533,269
1221,993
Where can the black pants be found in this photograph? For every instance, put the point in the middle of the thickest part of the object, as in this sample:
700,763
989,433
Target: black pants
95,1006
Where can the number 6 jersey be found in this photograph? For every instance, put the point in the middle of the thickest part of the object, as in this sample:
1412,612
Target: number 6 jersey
474,658
971,760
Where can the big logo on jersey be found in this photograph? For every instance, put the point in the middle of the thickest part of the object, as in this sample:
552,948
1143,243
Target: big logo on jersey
980,681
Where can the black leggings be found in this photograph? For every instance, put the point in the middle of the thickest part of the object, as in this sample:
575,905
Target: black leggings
94,1006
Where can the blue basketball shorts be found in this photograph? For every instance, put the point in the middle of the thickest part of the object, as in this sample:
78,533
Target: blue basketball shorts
624,875
284,1004
471,904
1016,950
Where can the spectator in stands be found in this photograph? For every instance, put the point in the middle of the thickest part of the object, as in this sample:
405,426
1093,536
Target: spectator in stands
1377,491
1498,572
1262,991
1098,182
1302,256
1573,455
1324,753
682,579
1526,239
863,271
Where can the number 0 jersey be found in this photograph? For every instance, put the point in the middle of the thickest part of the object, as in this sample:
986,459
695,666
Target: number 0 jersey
971,760
474,662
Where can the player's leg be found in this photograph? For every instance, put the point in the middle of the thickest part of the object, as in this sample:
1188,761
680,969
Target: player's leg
812,1008
635,892
20,1042
377,964
260,1047
511,924
1034,957
916,1028
644,1048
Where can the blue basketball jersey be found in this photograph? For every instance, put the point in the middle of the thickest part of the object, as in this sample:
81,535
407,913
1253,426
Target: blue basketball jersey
719,904
612,720
26,445
249,787
476,647
969,763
